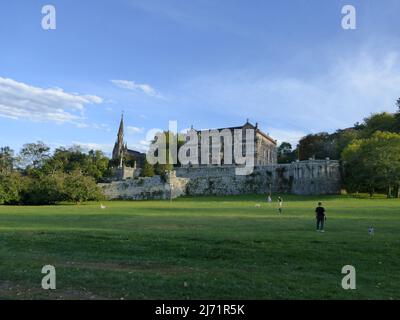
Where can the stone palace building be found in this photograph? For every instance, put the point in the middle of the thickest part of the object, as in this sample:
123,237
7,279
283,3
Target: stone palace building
311,177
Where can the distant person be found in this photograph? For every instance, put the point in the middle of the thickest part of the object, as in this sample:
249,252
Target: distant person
280,204
321,217
269,199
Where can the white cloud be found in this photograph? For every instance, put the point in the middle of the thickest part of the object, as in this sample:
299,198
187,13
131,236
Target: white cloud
87,146
133,86
291,136
100,126
141,146
82,125
350,90
22,101
134,130
144,143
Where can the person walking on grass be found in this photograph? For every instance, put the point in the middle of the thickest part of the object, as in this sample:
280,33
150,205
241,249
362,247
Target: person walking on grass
280,204
321,217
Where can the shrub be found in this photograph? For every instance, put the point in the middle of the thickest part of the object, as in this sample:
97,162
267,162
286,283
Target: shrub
11,184
79,188
43,189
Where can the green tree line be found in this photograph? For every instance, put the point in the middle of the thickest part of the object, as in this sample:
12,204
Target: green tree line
369,152
36,177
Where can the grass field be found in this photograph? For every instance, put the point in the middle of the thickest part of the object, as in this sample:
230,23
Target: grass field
202,248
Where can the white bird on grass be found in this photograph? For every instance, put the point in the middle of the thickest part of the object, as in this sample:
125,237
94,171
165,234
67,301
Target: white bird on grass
101,206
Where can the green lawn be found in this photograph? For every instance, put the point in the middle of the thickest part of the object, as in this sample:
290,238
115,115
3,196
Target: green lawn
202,248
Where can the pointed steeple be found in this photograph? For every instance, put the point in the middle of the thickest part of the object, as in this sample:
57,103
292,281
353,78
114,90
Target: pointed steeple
121,130
118,151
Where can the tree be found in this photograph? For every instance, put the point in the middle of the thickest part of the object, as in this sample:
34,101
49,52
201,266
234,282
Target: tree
33,155
43,189
316,146
148,170
11,184
397,116
6,159
341,139
374,163
128,160
80,188
161,169
358,176
67,175
285,153
94,164
284,148
97,166
378,122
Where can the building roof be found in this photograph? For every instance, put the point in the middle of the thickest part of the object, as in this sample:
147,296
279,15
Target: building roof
248,124
138,153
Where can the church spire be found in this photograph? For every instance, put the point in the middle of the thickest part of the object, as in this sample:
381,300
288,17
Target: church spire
119,147
121,130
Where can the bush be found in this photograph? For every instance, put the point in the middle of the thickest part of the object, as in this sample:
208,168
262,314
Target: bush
148,170
373,164
11,184
49,189
79,188
44,189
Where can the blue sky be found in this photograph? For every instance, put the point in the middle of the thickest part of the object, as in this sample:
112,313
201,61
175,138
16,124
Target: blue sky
286,64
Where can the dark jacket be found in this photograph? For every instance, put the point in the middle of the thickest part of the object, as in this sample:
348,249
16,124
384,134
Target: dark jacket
320,211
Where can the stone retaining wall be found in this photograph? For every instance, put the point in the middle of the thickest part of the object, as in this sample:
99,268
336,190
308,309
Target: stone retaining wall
313,177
